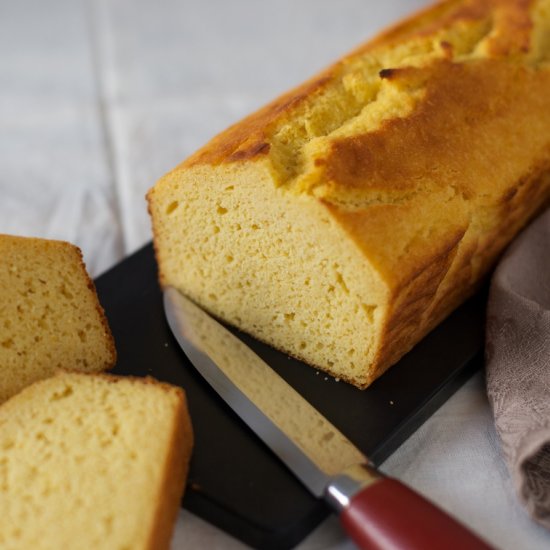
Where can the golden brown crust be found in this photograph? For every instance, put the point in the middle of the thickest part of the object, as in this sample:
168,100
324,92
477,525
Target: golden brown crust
100,311
246,140
511,26
511,23
464,107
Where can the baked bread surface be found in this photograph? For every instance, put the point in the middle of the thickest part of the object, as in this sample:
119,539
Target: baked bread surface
50,316
346,219
92,461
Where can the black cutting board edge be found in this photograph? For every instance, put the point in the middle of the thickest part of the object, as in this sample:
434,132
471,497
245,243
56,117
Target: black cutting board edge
235,482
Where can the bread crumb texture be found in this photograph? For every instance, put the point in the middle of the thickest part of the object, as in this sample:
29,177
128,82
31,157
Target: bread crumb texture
50,317
346,219
92,462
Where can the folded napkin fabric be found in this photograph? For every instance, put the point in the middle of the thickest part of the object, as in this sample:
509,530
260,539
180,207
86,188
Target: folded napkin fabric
518,363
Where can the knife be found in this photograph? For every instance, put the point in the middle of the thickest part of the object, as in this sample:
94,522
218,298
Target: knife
376,511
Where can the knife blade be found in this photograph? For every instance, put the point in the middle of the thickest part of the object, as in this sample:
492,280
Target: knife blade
375,510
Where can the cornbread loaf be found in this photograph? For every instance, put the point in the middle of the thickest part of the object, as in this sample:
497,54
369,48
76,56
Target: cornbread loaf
50,316
346,219
92,461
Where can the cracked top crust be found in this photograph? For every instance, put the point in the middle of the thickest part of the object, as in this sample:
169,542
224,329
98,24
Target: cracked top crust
340,133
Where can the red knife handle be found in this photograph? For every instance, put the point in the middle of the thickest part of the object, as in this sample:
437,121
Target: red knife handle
387,515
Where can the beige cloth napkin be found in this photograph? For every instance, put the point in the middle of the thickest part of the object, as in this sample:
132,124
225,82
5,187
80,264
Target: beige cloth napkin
518,363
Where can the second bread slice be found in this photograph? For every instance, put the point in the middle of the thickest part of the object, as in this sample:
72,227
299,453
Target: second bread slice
92,461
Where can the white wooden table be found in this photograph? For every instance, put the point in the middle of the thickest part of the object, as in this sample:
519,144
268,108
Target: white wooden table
99,98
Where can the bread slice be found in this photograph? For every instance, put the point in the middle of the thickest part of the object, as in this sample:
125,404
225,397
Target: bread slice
50,316
92,462
346,219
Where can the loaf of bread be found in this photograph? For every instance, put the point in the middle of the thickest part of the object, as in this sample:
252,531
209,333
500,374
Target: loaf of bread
50,316
346,219
92,461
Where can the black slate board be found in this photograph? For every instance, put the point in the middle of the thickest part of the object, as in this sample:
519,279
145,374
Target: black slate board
235,482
